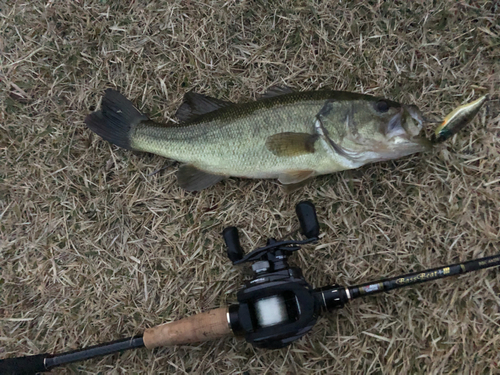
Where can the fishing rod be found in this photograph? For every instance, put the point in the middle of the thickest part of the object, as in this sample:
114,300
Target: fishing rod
275,307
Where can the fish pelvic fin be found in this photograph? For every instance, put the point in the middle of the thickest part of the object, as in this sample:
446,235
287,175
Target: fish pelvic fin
294,177
116,119
291,188
191,178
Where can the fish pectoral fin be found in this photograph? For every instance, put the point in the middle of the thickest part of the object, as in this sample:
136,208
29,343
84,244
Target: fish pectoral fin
295,177
291,144
276,91
191,178
196,104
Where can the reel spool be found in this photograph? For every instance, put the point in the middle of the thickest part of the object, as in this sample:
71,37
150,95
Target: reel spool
277,305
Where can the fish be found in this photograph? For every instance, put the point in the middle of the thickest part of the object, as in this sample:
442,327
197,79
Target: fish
286,135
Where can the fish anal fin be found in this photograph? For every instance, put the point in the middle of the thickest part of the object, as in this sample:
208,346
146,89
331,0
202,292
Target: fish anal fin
196,104
276,90
291,144
295,176
191,178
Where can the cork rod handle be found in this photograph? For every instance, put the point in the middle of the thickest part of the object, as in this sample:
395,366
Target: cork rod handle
206,326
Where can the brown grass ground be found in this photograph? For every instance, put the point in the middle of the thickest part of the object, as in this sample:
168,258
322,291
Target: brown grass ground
94,247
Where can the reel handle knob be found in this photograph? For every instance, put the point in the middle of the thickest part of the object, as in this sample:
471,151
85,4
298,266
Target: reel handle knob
234,250
306,212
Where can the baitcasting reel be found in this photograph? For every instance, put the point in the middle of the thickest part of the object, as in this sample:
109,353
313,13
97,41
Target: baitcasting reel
277,306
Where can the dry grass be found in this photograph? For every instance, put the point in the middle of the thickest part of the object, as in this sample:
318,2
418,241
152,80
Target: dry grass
95,248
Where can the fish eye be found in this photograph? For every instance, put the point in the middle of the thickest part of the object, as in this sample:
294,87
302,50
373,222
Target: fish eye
382,106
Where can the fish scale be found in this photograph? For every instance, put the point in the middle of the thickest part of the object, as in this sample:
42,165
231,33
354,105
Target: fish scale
236,147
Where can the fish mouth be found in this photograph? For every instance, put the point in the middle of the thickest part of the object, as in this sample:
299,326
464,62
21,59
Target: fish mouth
416,115
409,123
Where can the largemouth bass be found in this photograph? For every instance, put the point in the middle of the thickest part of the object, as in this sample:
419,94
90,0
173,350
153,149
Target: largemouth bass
286,135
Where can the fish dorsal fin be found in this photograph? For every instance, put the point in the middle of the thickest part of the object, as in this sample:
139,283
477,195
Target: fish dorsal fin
191,178
276,91
295,177
196,104
291,144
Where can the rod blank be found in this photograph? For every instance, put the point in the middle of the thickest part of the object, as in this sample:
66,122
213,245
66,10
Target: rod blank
423,276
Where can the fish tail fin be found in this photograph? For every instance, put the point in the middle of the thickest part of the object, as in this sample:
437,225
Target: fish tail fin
116,119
